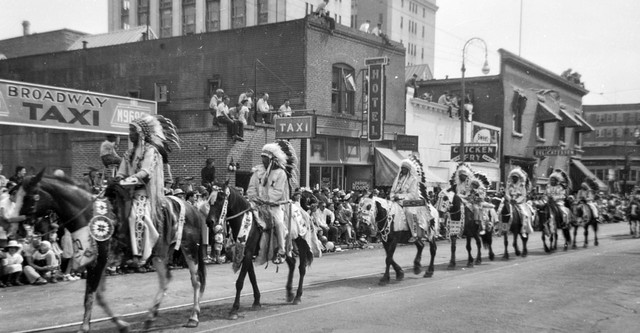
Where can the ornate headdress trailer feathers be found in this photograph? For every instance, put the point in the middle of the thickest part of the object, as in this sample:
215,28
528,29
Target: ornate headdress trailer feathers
416,169
158,131
591,183
284,155
522,176
562,178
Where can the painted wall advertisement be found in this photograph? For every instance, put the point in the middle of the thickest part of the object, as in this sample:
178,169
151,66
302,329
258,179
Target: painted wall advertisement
33,105
484,145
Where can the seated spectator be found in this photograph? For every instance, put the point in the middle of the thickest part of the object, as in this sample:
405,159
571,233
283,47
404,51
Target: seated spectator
322,12
30,248
191,198
285,109
243,116
19,175
223,116
46,263
377,30
445,99
262,110
322,217
216,99
3,179
343,216
12,265
364,27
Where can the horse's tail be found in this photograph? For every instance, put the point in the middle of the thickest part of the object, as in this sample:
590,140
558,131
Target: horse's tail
202,269
304,248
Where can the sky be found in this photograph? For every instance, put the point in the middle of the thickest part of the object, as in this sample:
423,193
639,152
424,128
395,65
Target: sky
597,38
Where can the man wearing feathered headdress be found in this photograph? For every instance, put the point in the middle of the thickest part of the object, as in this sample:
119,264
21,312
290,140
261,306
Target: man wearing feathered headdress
409,185
587,194
559,182
142,166
271,185
518,187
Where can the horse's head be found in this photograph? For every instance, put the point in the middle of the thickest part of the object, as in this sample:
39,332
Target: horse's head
220,194
367,210
29,195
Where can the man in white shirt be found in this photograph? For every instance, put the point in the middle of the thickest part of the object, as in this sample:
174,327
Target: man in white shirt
216,99
263,110
285,109
364,27
320,215
223,117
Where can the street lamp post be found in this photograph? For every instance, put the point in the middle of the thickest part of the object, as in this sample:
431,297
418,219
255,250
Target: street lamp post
461,108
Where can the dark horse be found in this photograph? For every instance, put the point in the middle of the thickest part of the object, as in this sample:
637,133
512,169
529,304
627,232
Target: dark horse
470,229
376,212
236,206
552,221
74,206
511,218
585,218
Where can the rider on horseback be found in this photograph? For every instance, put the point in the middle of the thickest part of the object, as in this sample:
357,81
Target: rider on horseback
409,186
559,182
587,194
142,167
518,186
271,185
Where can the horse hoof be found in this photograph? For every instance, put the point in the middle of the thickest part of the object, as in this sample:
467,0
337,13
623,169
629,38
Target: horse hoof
470,264
595,243
417,269
451,266
256,306
233,315
297,301
547,250
191,323
492,256
399,276
290,297
384,280
505,257
524,254
585,245
478,261
574,246
124,328
428,274
518,253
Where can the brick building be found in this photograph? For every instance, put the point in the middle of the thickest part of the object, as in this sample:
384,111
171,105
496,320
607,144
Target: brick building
299,60
539,114
612,150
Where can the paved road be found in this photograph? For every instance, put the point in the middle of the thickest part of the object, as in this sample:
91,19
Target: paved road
583,290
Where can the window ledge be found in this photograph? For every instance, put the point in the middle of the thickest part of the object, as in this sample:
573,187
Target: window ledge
562,144
541,140
516,134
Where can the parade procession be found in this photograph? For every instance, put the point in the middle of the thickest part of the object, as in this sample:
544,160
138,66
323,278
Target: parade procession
317,149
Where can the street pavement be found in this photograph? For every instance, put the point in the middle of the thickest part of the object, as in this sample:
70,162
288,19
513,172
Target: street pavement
592,289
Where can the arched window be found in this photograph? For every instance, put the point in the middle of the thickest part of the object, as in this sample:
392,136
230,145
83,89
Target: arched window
343,89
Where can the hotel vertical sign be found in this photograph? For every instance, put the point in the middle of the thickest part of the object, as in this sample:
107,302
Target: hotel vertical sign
375,120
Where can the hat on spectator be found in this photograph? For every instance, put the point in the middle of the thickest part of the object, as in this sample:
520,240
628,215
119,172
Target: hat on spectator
178,191
297,192
92,169
347,197
14,244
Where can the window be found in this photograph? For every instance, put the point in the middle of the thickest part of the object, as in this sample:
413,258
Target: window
518,105
610,117
124,15
401,20
424,12
143,12
188,17
423,31
619,117
263,11
343,89
609,133
563,131
213,15
161,93
577,139
238,10
133,93
540,131
165,18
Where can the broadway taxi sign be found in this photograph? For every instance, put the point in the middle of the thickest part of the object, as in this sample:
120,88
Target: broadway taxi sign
302,127
33,105
475,153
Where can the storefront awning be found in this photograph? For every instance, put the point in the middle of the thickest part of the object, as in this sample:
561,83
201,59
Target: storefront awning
388,163
585,126
545,114
579,172
568,119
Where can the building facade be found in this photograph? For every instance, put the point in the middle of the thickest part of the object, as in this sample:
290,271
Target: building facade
538,112
171,18
612,149
410,22
298,60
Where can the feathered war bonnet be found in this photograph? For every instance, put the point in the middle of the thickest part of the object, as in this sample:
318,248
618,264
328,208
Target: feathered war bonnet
158,131
455,183
418,170
284,155
521,175
562,178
